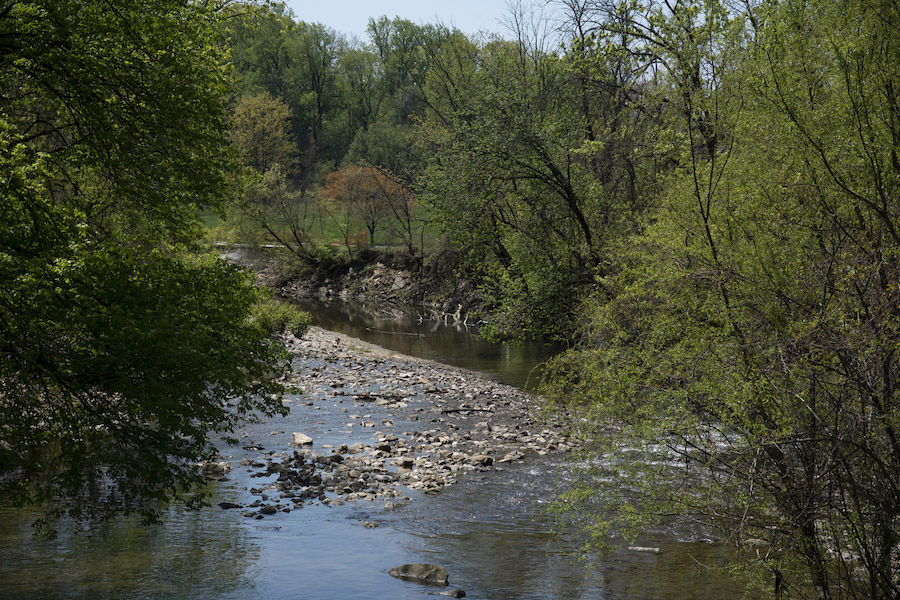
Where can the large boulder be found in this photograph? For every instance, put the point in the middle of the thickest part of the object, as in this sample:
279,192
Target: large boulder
422,573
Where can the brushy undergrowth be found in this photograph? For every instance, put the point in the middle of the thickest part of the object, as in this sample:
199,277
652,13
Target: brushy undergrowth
276,316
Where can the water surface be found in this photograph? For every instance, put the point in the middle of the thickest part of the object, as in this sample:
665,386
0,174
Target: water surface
491,530
413,331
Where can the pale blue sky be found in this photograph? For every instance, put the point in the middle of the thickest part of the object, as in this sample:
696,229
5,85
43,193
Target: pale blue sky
352,16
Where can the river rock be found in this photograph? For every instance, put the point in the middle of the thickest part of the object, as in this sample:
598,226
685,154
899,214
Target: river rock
422,573
301,439
512,456
464,425
215,470
482,460
404,462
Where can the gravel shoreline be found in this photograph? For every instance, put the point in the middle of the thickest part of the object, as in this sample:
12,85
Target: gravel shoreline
453,422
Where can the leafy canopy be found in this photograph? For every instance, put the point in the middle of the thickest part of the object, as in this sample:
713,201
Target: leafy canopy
121,352
748,342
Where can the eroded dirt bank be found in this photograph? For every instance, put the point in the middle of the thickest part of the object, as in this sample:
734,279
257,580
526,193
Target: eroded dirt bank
373,279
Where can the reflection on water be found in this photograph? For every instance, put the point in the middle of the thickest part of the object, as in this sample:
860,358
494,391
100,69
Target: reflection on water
490,530
411,332
505,546
189,555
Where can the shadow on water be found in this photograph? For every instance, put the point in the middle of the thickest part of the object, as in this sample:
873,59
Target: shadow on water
409,330
188,555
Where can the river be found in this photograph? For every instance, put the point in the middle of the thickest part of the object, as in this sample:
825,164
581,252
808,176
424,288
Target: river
404,330
491,530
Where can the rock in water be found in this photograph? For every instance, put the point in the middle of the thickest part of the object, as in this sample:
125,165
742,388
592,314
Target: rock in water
301,439
422,573
482,460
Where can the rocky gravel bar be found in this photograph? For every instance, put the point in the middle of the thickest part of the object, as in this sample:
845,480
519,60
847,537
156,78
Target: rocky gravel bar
455,422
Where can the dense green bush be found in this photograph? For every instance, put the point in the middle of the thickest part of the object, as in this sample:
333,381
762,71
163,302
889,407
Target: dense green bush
276,316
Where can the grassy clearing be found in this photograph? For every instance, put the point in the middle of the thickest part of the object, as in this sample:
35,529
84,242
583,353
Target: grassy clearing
324,223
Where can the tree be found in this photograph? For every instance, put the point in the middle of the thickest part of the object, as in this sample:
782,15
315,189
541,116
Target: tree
398,44
297,64
260,132
122,353
270,206
317,51
520,179
257,37
749,346
372,196
363,87
389,141
271,209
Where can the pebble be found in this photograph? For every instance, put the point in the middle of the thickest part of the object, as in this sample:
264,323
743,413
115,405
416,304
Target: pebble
469,423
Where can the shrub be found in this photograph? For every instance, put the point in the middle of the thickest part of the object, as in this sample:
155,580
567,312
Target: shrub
275,316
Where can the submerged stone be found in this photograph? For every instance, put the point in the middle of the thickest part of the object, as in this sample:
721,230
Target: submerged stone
421,573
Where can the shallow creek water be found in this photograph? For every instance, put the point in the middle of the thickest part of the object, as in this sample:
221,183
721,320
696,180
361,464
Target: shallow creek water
407,331
490,530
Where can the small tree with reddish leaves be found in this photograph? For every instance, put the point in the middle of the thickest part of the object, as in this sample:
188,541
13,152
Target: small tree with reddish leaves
368,194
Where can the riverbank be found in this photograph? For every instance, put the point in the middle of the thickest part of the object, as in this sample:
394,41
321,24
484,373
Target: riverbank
372,278
425,426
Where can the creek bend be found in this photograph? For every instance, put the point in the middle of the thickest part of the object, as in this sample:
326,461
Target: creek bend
408,331
489,528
